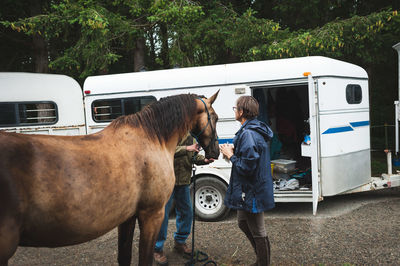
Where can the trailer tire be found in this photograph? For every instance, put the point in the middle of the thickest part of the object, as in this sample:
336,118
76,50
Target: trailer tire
209,199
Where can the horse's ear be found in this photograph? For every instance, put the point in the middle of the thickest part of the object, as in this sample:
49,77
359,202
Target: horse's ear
212,98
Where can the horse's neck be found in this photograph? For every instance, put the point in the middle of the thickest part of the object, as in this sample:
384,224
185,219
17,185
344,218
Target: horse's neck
129,136
173,141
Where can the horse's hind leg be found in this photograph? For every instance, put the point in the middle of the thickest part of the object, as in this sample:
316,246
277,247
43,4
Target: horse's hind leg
9,238
149,223
9,222
125,238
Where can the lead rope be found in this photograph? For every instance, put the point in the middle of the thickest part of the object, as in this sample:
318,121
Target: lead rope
199,253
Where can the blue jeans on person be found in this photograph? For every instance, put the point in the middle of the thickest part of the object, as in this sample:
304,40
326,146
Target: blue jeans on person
184,216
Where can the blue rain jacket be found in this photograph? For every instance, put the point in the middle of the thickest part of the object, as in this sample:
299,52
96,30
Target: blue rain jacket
250,187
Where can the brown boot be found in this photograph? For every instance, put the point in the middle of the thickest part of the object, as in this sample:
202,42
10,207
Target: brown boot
160,258
263,251
183,248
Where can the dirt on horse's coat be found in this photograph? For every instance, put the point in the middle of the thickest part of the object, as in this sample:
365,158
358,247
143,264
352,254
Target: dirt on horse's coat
64,190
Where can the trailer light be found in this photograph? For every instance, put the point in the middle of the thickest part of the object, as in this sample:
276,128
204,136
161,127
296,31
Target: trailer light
306,74
87,91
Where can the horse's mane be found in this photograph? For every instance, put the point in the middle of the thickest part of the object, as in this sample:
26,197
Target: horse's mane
162,118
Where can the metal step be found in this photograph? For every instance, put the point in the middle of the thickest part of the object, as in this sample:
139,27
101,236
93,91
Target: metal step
293,196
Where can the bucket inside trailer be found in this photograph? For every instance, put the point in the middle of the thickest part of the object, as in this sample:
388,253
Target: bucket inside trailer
285,109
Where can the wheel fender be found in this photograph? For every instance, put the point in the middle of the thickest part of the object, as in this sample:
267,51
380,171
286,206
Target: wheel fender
222,174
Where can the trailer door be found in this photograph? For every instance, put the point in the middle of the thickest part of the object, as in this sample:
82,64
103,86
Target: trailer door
314,135
344,134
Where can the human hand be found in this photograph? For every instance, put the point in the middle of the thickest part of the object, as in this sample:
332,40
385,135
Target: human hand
227,150
193,147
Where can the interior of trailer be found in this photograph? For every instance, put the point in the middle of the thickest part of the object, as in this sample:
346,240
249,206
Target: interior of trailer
286,110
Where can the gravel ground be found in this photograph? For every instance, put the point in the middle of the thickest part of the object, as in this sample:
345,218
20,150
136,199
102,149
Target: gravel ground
359,229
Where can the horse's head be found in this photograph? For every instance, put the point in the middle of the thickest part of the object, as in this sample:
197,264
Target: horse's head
204,128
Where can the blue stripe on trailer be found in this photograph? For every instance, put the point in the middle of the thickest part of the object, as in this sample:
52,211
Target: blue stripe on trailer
225,141
359,124
334,130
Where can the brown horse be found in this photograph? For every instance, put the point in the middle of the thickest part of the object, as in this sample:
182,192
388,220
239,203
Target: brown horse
59,190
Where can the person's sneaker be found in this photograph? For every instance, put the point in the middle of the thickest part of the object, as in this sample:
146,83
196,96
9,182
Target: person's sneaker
160,258
183,248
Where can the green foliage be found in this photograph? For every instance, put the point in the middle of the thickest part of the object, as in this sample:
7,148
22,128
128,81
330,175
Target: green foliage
86,37
247,31
357,38
306,15
84,30
173,13
220,36
202,41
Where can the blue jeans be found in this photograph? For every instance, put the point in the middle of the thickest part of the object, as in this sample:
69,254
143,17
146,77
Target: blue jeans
184,216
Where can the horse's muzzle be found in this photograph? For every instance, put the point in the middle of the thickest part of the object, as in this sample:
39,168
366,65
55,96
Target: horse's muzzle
212,151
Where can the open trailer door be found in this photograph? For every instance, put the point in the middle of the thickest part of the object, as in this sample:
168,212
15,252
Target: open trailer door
314,136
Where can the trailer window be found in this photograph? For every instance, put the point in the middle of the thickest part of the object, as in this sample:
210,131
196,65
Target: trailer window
7,114
108,109
353,94
28,113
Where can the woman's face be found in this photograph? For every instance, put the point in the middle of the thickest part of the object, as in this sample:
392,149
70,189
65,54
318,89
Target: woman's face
238,113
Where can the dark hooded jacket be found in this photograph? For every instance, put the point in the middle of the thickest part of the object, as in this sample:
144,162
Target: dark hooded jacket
250,187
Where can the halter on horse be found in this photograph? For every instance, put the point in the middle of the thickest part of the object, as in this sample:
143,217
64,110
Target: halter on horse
213,129
62,190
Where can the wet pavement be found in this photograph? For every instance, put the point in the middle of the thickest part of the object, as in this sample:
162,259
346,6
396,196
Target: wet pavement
355,229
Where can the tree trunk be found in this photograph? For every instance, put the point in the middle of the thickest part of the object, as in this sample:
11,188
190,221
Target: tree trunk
152,51
40,51
164,45
139,54
41,57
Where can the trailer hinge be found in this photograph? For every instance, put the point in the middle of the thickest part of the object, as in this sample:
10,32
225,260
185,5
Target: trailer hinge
315,91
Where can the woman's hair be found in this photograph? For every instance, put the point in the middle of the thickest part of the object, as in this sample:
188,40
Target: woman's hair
249,106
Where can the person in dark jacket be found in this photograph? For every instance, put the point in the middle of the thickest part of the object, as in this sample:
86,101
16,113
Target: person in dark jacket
185,155
250,189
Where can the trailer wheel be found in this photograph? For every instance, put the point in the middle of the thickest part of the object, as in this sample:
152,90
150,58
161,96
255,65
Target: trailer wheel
209,199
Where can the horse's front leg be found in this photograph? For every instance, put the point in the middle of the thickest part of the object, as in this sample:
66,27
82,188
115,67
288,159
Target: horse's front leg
149,222
125,238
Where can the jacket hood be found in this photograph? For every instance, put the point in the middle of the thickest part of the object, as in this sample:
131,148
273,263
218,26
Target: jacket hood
260,127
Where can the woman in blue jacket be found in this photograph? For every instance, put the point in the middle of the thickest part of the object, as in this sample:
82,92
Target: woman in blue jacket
250,189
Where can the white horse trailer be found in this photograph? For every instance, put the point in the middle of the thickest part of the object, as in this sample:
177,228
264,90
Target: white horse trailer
330,95
41,104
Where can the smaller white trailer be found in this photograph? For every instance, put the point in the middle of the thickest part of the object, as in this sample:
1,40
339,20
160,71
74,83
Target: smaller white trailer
34,103
325,99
